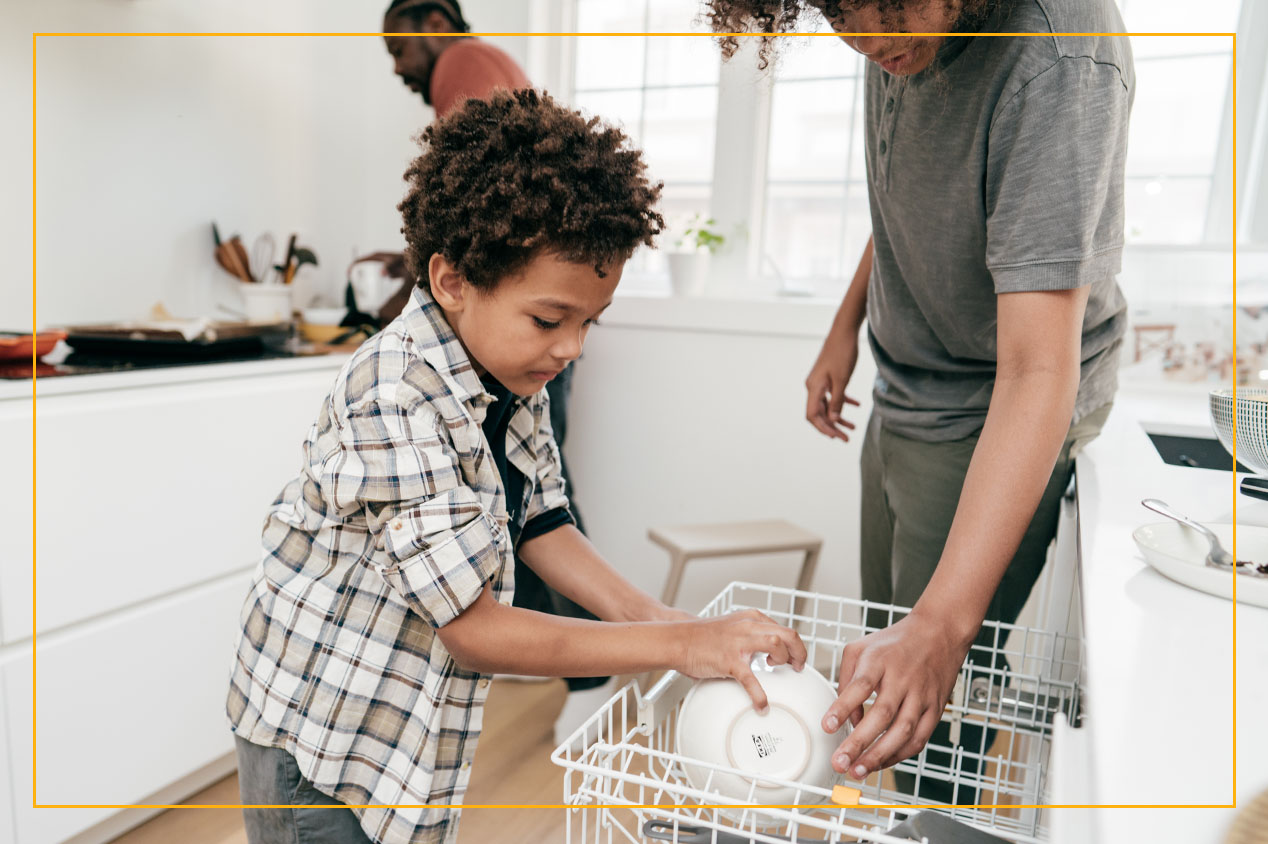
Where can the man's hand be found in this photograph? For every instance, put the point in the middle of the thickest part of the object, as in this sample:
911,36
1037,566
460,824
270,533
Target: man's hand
912,667
825,385
724,647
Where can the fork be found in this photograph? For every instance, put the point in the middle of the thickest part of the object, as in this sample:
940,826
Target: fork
1217,557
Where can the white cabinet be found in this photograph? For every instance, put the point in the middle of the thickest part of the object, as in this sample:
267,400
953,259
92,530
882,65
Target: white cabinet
8,831
143,491
152,489
126,706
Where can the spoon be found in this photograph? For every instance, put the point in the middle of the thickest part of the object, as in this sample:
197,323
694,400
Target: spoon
1218,557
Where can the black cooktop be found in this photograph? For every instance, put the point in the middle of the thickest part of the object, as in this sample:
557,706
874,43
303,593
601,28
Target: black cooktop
90,363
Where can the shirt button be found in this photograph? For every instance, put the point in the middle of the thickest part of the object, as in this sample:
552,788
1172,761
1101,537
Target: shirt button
889,105
465,764
484,682
397,524
883,147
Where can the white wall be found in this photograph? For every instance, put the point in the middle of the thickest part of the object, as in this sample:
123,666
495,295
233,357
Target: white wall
688,412
144,141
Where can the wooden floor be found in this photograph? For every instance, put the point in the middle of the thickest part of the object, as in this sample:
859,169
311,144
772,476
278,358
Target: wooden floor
512,765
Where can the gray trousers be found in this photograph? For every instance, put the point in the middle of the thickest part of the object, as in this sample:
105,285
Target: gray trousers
270,776
910,491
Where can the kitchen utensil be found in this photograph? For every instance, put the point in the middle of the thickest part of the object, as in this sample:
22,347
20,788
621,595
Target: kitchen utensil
288,273
262,257
1217,557
1178,553
1248,413
718,725
227,257
658,830
239,257
16,346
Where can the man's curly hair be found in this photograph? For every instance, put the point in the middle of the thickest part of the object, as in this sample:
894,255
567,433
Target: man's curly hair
504,180
775,17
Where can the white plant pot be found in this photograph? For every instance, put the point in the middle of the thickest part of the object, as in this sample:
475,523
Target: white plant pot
688,272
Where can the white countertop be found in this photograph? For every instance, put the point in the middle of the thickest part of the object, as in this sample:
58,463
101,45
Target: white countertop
1160,655
71,384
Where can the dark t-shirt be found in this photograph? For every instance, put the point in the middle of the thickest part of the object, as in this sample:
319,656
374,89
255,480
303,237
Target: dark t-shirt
496,423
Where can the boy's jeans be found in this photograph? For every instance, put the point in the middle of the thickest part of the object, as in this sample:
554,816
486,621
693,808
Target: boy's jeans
270,776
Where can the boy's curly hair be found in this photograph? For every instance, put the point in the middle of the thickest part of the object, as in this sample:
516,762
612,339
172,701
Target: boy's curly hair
504,180
775,17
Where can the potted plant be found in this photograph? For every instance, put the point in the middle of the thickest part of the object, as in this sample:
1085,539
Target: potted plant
689,262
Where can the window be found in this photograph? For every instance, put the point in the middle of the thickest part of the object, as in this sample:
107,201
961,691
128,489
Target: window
663,91
1173,153
802,202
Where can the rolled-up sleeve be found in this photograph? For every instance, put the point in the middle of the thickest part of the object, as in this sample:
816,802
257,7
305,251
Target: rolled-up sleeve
436,544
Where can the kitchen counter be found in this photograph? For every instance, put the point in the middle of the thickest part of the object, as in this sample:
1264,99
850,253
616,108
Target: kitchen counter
1160,655
179,374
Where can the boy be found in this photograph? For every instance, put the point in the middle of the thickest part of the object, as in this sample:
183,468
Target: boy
382,602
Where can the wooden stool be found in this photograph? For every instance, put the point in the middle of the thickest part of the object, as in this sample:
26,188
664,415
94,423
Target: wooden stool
733,539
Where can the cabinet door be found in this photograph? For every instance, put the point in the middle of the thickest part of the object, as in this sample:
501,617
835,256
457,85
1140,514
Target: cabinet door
127,705
145,491
8,764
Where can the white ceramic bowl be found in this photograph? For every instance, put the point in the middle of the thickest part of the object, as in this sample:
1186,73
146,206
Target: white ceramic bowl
323,316
718,725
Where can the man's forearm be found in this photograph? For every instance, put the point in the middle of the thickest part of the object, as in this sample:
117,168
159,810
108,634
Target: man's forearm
1025,427
853,309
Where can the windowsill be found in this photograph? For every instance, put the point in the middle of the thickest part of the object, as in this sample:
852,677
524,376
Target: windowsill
772,316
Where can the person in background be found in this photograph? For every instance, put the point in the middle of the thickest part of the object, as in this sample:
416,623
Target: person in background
995,171
445,70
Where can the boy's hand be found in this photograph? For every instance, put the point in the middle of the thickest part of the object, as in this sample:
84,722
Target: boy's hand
724,647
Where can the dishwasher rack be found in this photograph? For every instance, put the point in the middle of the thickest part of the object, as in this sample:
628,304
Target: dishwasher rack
624,780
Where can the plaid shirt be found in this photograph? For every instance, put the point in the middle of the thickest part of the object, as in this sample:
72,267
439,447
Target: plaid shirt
394,525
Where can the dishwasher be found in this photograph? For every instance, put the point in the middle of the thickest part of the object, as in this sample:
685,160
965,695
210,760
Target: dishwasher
624,780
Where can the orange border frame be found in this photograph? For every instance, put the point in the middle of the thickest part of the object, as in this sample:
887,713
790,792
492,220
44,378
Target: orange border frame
35,804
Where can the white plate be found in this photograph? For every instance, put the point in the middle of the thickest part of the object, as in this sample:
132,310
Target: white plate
1180,553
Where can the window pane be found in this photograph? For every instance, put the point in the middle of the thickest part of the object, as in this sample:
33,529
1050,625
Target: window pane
810,131
1172,15
622,108
680,60
1166,210
815,58
804,225
678,132
611,62
1176,118
1147,48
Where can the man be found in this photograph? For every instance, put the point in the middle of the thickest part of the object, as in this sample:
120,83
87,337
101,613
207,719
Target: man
445,70
995,179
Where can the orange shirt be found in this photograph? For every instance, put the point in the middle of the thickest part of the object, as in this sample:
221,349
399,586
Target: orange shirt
472,68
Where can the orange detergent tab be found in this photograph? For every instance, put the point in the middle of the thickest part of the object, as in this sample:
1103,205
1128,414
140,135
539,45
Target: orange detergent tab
843,795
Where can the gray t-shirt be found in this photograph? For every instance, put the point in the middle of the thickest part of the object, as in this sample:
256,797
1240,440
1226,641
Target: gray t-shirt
997,170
